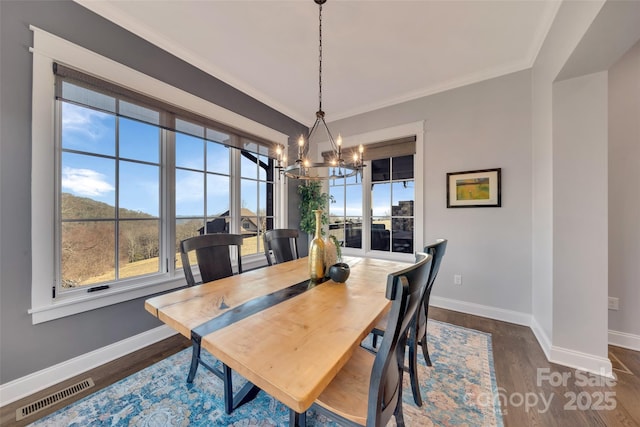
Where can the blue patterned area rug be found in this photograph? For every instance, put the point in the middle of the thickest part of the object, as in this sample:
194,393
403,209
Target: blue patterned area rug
458,390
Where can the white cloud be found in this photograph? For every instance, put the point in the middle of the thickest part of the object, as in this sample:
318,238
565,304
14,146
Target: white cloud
84,121
85,182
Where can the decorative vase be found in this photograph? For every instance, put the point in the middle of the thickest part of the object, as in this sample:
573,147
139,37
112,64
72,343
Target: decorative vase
330,254
339,272
316,251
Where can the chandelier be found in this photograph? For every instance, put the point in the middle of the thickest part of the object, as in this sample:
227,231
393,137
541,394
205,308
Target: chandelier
335,166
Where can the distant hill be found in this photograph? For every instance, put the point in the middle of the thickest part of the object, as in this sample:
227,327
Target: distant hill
74,207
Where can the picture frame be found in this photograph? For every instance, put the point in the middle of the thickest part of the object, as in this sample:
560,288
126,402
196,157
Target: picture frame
474,189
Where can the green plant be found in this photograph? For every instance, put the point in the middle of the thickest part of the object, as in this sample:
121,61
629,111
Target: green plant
336,242
312,198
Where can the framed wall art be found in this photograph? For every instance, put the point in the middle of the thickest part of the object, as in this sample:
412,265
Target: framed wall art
474,189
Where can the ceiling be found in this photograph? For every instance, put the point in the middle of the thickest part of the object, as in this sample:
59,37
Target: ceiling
375,53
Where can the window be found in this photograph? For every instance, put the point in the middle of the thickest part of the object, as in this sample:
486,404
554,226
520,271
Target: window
203,183
392,200
256,192
131,178
345,211
110,189
109,193
377,214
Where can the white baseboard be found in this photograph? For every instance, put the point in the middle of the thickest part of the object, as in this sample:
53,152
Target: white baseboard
542,337
623,339
582,361
562,356
27,385
482,310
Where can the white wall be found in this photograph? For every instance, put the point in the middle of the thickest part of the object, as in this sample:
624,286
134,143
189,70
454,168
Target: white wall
480,126
571,22
580,222
624,198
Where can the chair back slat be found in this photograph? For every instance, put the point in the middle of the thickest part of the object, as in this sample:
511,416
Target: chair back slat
436,250
405,289
281,245
213,254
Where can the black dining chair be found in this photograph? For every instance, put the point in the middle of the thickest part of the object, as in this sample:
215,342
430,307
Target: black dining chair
213,255
367,391
418,331
281,245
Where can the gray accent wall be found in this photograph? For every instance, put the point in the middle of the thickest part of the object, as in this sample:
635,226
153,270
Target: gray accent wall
479,126
28,348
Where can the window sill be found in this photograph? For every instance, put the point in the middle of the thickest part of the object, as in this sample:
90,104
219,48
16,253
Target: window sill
80,303
71,305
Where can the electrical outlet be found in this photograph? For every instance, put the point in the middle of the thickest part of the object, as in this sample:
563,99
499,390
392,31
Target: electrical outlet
457,279
613,303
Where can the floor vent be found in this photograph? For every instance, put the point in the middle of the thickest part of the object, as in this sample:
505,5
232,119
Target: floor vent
52,399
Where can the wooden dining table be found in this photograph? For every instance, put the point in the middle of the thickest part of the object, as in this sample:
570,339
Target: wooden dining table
285,335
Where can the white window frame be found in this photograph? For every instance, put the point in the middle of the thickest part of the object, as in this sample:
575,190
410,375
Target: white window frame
47,49
385,134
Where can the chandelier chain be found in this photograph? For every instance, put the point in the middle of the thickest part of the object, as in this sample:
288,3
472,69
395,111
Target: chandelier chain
336,167
320,59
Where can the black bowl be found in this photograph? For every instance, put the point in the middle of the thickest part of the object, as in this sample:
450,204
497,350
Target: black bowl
339,272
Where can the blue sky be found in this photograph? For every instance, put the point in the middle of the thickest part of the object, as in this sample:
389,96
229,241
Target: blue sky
383,196
91,176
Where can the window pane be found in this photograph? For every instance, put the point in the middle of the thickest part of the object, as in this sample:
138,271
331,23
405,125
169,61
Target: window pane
336,229
402,167
217,136
403,197
218,196
215,225
380,233
217,158
189,128
249,197
139,252
139,141
185,228
88,253
336,206
262,198
263,163
381,199
89,130
189,152
189,194
249,230
139,112
139,190
380,170
353,233
353,201
248,165
86,96
92,181
402,235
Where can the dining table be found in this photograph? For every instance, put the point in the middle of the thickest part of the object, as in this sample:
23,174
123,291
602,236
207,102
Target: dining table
283,333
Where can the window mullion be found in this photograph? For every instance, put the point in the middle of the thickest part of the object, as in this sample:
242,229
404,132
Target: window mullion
168,200
366,209
116,225
236,197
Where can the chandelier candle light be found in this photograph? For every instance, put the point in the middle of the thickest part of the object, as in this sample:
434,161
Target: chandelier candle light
337,166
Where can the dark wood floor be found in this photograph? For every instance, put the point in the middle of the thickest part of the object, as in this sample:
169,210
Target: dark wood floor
527,383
